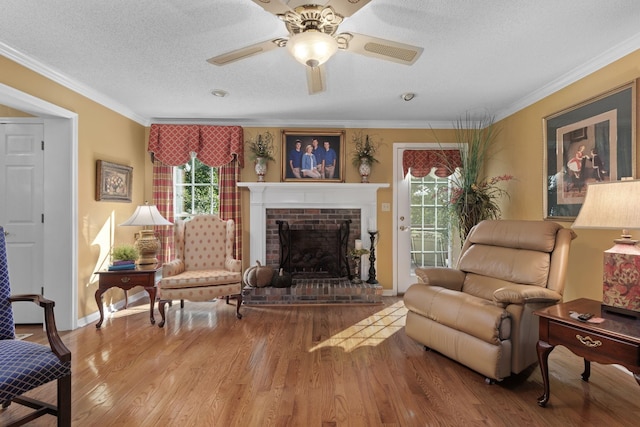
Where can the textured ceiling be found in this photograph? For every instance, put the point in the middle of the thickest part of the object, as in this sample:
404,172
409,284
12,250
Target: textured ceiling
147,58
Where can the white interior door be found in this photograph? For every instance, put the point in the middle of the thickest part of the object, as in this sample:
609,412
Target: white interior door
21,192
419,238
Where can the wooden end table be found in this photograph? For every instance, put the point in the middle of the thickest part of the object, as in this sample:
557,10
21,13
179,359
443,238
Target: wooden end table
126,280
616,340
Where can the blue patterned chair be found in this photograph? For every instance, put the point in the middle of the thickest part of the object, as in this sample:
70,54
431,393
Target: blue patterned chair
26,365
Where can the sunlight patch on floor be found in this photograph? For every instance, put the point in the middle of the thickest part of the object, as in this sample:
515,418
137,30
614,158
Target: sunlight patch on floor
370,331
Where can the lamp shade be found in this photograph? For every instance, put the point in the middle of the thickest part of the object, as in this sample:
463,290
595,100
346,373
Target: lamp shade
146,215
611,205
312,48
616,204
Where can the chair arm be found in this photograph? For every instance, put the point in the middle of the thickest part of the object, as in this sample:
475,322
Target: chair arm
523,294
234,265
441,276
57,346
172,268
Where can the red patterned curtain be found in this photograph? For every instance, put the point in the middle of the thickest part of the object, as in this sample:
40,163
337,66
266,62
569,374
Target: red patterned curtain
220,145
420,162
173,144
215,146
163,199
228,176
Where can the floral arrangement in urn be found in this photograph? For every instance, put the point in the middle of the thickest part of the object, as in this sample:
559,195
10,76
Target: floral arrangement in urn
262,150
364,154
261,146
475,197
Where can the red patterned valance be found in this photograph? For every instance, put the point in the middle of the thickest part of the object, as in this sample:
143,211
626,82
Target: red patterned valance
214,146
420,162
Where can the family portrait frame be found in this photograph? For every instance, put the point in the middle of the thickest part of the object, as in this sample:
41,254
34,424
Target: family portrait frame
592,141
313,155
113,182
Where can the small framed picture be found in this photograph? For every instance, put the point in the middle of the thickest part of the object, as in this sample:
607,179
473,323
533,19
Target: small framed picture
113,182
313,155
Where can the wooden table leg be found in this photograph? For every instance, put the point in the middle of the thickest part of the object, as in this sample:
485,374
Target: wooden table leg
99,293
152,301
587,371
543,349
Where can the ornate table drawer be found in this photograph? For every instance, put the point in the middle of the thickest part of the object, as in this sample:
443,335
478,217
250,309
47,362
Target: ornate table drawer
124,279
587,342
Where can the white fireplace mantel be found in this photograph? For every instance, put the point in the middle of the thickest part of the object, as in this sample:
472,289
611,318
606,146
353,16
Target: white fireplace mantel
301,195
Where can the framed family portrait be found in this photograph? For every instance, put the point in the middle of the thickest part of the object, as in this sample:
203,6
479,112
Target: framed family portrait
313,155
593,141
113,182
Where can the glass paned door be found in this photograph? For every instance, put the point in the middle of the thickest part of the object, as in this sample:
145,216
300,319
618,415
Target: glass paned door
429,222
421,227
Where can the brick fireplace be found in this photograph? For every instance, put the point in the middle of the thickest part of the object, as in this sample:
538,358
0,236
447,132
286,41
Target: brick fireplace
315,203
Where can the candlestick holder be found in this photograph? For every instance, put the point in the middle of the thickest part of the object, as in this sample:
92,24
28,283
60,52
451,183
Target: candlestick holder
356,254
372,259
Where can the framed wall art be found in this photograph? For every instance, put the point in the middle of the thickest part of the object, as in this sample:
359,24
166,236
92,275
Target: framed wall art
313,155
113,182
593,141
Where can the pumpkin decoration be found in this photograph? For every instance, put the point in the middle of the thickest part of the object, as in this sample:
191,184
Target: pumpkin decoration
281,280
258,276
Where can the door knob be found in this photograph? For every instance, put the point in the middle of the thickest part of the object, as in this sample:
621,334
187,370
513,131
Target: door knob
404,228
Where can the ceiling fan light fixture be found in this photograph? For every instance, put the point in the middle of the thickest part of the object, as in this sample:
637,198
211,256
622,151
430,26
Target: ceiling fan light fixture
312,48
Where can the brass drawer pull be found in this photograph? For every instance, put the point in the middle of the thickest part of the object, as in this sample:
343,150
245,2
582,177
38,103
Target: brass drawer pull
588,341
125,279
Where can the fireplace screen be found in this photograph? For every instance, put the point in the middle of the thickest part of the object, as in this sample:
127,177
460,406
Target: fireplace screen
314,250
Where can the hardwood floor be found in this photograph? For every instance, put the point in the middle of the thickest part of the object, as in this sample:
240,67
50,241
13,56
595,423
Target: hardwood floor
309,366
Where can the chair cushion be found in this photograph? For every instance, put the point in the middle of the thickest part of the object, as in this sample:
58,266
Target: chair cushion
25,366
205,243
521,266
460,311
196,278
200,293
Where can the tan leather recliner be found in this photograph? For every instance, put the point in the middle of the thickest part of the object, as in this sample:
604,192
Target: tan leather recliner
481,313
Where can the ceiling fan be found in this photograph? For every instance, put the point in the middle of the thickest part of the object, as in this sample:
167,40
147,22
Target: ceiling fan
313,38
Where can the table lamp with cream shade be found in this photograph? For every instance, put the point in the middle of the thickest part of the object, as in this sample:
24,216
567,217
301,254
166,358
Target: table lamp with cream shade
616,205
147,244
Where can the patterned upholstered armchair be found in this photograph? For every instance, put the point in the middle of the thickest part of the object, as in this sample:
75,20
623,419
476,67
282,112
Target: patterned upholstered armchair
204,267
26,365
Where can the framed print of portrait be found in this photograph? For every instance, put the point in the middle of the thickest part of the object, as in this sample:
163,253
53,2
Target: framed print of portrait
113,182
313,155
590,142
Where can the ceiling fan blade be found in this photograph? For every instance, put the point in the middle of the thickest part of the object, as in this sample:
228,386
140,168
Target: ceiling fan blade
245,52
277,7
316,79
347,7
380,48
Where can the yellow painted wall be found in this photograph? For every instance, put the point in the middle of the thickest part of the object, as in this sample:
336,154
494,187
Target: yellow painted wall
521,154
102,135
106,135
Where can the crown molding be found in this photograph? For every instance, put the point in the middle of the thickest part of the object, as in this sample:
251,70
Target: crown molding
316,124
617,52
69,83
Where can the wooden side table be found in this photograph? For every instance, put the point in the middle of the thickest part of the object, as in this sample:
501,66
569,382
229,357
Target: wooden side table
126,280
616,340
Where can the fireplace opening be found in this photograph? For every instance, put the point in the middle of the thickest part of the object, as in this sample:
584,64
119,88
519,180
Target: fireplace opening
314,250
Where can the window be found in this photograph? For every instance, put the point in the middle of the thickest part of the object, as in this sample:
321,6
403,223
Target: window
195,188
430,245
